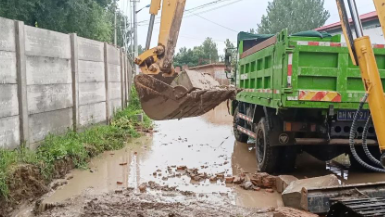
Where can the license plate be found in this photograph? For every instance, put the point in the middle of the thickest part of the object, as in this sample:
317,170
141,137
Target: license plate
348,115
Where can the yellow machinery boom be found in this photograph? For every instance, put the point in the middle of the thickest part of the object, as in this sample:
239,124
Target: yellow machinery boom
362,54
165,94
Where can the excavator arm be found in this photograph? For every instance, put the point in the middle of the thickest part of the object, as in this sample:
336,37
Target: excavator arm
159,60
362,55
163,93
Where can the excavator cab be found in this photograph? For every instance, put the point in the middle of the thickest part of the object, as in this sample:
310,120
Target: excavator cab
164,93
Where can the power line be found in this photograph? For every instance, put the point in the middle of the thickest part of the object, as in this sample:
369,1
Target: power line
216,23
143,22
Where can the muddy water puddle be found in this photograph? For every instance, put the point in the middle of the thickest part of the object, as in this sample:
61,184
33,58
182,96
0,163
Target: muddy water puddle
205,143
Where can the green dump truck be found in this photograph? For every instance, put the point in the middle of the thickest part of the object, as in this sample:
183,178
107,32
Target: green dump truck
300,94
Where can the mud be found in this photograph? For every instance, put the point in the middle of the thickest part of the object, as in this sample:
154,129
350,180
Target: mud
26,183
128,203
113,186
191,94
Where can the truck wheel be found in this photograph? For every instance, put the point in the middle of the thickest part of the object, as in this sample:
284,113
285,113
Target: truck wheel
267,156
239,136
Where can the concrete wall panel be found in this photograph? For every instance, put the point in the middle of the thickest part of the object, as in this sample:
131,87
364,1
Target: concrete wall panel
92,114
113,55
48,70
115,105
92,93
115,90
41,42
9,104
113,73
61,79
43,98
55,122
7,35
90,50
7,67
9,132
91,71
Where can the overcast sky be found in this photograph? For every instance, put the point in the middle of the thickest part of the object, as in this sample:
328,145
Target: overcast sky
240,16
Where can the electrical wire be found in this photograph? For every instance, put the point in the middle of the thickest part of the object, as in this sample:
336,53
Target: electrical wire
190,13
192,9
216,23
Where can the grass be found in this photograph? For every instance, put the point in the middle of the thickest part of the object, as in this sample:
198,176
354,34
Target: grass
78,147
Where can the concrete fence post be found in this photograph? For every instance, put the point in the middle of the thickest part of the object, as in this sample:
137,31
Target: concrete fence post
75,79
22,83
122,89
106,60
129,79
125,80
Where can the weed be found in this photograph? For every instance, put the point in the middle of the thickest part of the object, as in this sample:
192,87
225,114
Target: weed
78,147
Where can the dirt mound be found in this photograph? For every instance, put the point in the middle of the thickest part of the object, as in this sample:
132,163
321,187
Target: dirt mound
131,204
27,183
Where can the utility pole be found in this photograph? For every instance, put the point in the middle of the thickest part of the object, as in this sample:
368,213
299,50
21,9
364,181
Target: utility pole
115,38
135,22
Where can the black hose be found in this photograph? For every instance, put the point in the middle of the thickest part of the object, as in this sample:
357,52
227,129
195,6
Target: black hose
365,143
352,137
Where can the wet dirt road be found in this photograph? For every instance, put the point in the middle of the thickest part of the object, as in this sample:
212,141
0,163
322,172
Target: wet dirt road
206,143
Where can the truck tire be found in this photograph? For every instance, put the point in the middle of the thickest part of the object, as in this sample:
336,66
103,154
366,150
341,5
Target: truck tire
267,156
239,136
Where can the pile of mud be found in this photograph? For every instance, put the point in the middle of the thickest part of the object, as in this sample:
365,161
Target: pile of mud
26,183
128,203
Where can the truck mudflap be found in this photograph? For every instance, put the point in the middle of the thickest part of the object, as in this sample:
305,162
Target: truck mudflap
320,200
371,207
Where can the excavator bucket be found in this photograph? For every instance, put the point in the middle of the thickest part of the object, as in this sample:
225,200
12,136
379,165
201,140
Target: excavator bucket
190,94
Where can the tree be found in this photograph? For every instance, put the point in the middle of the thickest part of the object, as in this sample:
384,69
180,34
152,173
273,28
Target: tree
232,50
92,19
296,15
200,55
210,51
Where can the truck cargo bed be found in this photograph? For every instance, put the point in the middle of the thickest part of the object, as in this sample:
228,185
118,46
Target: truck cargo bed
302,72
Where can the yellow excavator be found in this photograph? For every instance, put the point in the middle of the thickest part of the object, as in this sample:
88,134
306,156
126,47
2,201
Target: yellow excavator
165,94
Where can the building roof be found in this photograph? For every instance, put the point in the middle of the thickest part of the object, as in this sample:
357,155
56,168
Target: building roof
209,65
364,18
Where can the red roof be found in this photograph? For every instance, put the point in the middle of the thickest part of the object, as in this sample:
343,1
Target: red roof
364,18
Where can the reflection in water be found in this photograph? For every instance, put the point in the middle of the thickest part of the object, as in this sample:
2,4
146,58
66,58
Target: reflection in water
219,116
206,143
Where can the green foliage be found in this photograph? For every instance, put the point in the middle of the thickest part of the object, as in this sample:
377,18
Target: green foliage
230,50
92,19
296,15
9,159
200,55
134,102
77,147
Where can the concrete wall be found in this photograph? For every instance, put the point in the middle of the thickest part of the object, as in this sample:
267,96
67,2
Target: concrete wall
51,82
9,106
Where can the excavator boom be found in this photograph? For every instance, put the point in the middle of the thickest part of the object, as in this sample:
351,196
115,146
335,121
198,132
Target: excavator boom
165,94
